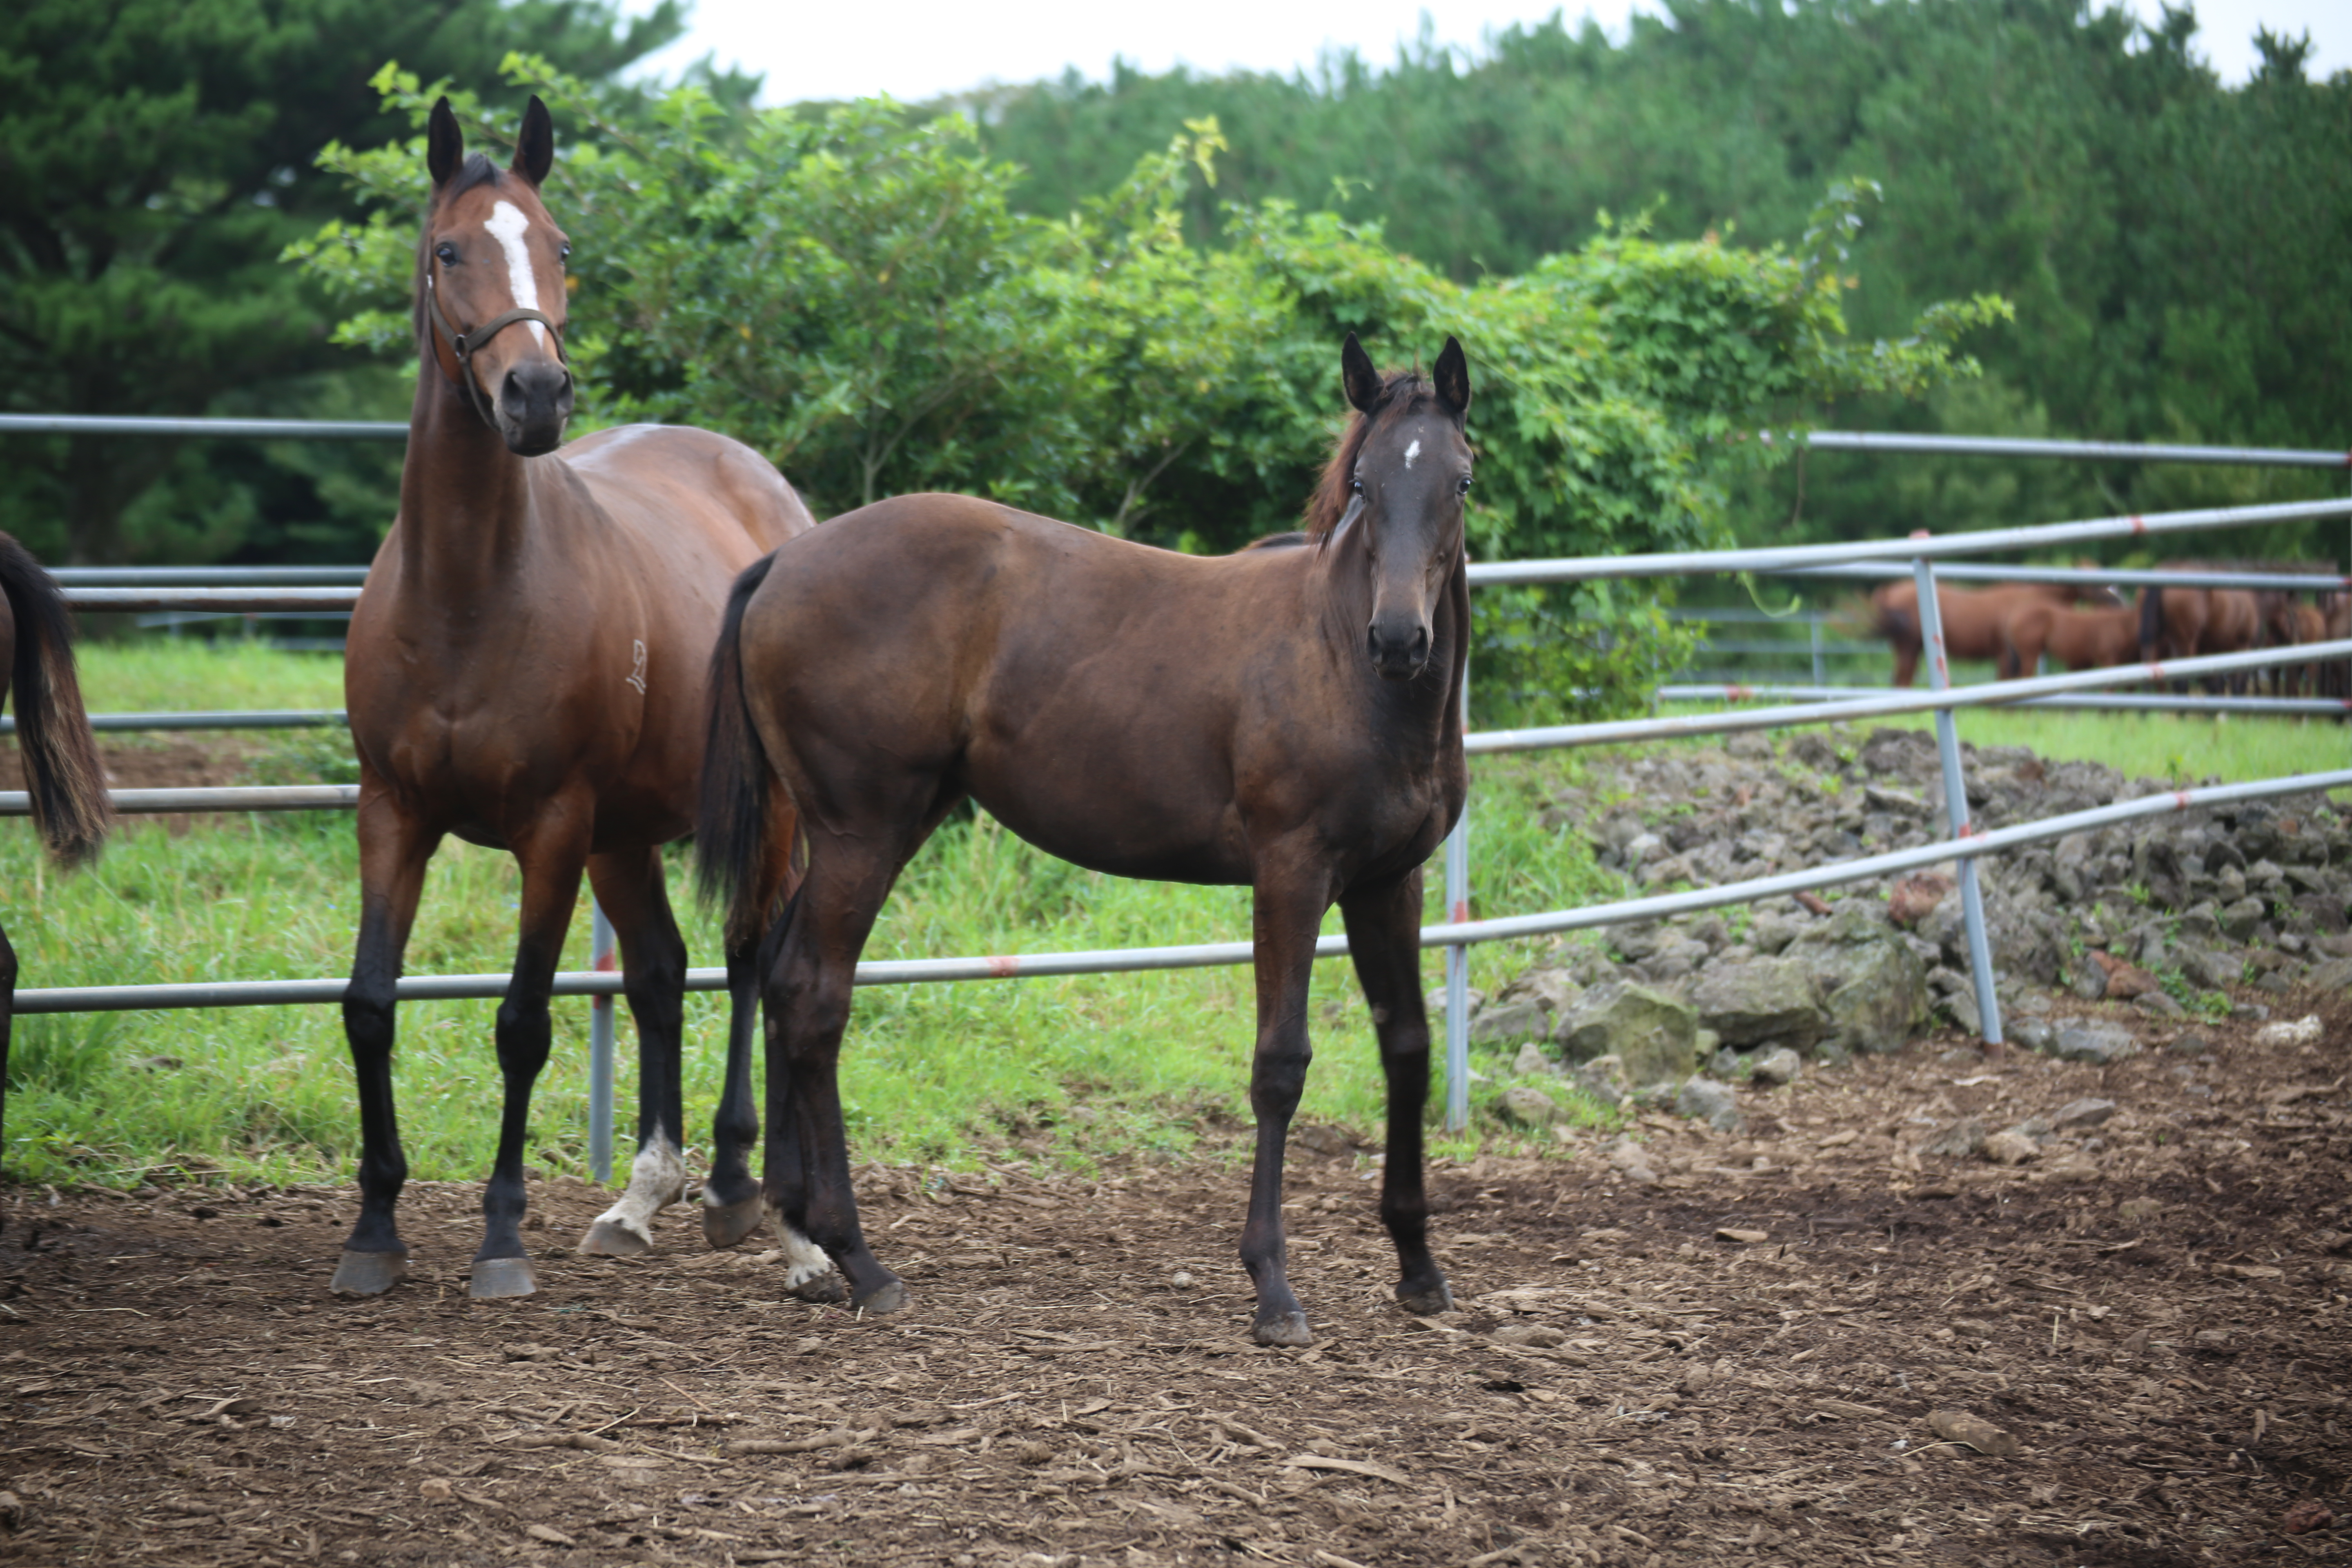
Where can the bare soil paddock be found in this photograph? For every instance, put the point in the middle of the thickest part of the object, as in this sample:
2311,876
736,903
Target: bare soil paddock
2158,1318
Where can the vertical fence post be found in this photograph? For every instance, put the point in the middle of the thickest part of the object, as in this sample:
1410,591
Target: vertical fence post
600,1050
1956,799
1457,956
1820,673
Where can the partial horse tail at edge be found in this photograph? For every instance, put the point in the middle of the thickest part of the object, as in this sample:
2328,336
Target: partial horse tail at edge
62,773
2151,624
730,832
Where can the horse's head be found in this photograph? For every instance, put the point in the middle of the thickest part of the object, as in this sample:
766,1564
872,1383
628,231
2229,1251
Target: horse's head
2098,596
1400,477
490,297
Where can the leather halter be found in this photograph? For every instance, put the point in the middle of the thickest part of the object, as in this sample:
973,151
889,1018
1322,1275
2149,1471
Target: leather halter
463,344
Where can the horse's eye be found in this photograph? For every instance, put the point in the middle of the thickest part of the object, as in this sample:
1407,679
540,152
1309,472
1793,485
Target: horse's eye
564,252
1357,485
1462,486
446,253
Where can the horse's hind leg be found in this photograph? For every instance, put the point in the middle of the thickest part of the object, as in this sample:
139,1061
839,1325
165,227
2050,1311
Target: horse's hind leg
551,860
1384,938
394,851
628,884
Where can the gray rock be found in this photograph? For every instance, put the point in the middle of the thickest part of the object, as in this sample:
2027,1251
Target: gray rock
1749,746
1960,1007
1434,1000
2032,1034
2094,1040
2082,1114
1531,1062
1717,1104
2157,1005
1528,1107
1505,1023
1654,1035
1874,990
1603,1078
2191,1045
1960,1140
1769,932
2206,969
1778,1065
1549,988
2330,974
2088,980
1632,1161
1761,999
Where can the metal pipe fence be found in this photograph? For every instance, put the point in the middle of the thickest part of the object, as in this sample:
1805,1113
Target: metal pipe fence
280,594
198,718
2106,701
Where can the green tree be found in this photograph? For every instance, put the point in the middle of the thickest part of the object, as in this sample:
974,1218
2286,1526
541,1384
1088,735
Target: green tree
155,156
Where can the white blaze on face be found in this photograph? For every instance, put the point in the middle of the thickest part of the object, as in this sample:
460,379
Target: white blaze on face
1409,452
507,225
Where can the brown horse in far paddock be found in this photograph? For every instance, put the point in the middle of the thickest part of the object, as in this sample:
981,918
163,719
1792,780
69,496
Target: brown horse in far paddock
63,777
2182,623
1288,718
526,670
1975,620
2082,639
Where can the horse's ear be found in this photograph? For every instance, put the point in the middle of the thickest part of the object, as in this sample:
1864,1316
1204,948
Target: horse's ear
445,143
535,145
1452,378
1357,376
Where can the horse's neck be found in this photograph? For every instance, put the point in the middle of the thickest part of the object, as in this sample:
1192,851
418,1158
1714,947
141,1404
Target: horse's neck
465,511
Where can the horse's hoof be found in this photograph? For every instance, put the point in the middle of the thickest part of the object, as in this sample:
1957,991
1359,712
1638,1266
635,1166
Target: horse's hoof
1426,1302
498,1277
368,1273
1286,1329
724,1224
608,1239
826,1288
890,1296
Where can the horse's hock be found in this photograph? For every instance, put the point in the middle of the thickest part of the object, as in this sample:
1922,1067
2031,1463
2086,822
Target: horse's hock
2136,920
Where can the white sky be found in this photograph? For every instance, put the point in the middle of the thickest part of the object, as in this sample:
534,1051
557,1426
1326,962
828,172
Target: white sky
915,49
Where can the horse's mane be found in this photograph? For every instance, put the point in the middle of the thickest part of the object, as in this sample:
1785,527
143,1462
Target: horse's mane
476,170
1277,540
1402,392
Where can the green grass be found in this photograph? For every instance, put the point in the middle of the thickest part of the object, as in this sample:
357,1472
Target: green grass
1085,1067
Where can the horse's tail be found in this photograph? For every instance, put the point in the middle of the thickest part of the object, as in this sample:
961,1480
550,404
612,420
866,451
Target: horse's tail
1896,625
67,781
730,835
2151,624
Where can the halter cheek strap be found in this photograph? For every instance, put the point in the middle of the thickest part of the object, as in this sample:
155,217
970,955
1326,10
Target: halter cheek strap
463,344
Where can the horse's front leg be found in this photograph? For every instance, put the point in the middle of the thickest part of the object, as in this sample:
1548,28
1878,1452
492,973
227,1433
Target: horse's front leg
1284,914
395,849
628,884
1384,940
552,855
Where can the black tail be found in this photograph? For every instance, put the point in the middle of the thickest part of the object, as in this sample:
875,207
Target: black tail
68,782
731,836
2151,624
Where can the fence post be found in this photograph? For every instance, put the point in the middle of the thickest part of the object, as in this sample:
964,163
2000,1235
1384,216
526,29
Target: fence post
1457,955
1821,674
1956,799
600,1050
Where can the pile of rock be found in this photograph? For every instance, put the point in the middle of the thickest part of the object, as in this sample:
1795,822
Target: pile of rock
2147,913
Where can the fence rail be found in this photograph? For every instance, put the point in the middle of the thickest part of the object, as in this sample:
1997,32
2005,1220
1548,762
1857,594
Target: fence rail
2075,451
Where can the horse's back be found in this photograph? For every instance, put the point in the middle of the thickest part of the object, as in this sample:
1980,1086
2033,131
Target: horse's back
679,474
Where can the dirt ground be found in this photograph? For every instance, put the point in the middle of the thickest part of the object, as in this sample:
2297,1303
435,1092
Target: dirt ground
1738,1363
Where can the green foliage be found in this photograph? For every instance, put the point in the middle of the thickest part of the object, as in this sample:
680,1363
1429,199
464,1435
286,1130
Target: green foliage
856,296
160,154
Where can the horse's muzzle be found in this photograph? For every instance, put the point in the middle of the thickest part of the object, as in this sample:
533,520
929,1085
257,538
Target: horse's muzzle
1399,646
534,404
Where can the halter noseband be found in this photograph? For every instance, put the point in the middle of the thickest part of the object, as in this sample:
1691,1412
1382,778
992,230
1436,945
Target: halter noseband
463,344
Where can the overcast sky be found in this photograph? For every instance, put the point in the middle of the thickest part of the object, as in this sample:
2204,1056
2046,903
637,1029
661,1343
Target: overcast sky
920,49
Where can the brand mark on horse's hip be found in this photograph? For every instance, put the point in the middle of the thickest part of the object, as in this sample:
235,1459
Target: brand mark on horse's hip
507,225
637,669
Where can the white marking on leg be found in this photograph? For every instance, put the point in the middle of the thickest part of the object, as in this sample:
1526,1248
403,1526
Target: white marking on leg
1413,451
656,1180
803,1259
507,225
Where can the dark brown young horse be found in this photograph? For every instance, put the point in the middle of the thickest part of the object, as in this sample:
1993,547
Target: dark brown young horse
1974,618
525,671
62,773
1288,718
2182,623
2082,639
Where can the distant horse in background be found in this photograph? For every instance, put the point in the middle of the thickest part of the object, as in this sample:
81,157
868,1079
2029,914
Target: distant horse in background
2335,615
525,670
2183,622
1287,718
1975,620
62,773
2082,639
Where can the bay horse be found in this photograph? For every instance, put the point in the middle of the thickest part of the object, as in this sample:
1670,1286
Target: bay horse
2082,639
1287,718
525,670
1975,620
2181,622
63,777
